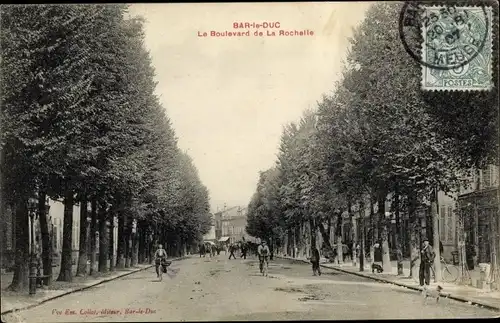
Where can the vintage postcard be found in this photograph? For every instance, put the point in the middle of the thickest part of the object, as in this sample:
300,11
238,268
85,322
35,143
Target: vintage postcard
249,161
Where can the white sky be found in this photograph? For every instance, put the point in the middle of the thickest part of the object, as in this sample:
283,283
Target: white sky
228,98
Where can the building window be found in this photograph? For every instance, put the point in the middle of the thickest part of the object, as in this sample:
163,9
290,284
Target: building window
486,177
450,227
494,175
54,236
442,226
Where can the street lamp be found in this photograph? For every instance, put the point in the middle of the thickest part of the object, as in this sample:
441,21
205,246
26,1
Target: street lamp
32,212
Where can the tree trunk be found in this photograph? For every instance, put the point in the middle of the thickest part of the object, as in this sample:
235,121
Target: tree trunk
386,256
399,252
66,272
435,232
142,244
362,233
128,242
20,280
112,260
135,247
329,228
374,231
340,256
312,228
352,233
301,239
46,239
103,238
133,238
294,231
121,250
84,228
414,254
92,237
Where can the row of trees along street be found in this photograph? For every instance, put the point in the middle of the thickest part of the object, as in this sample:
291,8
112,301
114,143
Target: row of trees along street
81,123
377,137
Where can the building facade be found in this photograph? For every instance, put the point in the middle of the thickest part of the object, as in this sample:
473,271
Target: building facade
477,216
230,224
56,219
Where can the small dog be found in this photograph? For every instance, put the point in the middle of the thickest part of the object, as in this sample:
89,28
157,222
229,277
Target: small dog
377,267
432,293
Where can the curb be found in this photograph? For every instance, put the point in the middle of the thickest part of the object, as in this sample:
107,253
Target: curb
388,281
79,289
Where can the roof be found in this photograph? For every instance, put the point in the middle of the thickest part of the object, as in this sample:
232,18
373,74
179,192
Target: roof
223,239
234,212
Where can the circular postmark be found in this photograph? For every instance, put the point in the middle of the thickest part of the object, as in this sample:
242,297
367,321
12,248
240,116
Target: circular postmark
443,37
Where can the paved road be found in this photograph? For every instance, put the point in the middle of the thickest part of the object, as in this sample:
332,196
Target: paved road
221,289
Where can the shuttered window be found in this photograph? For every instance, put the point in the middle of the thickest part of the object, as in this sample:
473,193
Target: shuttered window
450,225
486,177
442,223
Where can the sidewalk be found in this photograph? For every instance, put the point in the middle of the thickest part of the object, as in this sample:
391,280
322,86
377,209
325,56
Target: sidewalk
15,301
462,293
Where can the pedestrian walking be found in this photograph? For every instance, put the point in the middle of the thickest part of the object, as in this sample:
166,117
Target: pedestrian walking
202,250
426,259
315,261
232,249
243,249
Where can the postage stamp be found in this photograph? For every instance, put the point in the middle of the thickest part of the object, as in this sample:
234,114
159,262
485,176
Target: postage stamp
457,48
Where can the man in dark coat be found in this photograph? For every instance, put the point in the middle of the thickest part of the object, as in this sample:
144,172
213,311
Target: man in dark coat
202,250
232,249
243,248
315,261
426,260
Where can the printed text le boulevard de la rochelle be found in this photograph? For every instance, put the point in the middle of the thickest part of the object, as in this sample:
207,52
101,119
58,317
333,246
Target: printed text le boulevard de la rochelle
247,29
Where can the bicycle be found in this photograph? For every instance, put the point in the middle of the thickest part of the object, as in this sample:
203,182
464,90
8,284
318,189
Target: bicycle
449,273
264,265
162,267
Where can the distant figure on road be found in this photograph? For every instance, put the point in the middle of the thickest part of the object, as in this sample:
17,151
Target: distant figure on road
315,261
426,259
232,249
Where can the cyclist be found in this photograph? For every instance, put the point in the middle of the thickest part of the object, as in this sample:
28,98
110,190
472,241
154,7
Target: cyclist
160,257
263,252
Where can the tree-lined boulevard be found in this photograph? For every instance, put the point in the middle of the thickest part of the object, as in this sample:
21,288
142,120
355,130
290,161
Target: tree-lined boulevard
357,176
